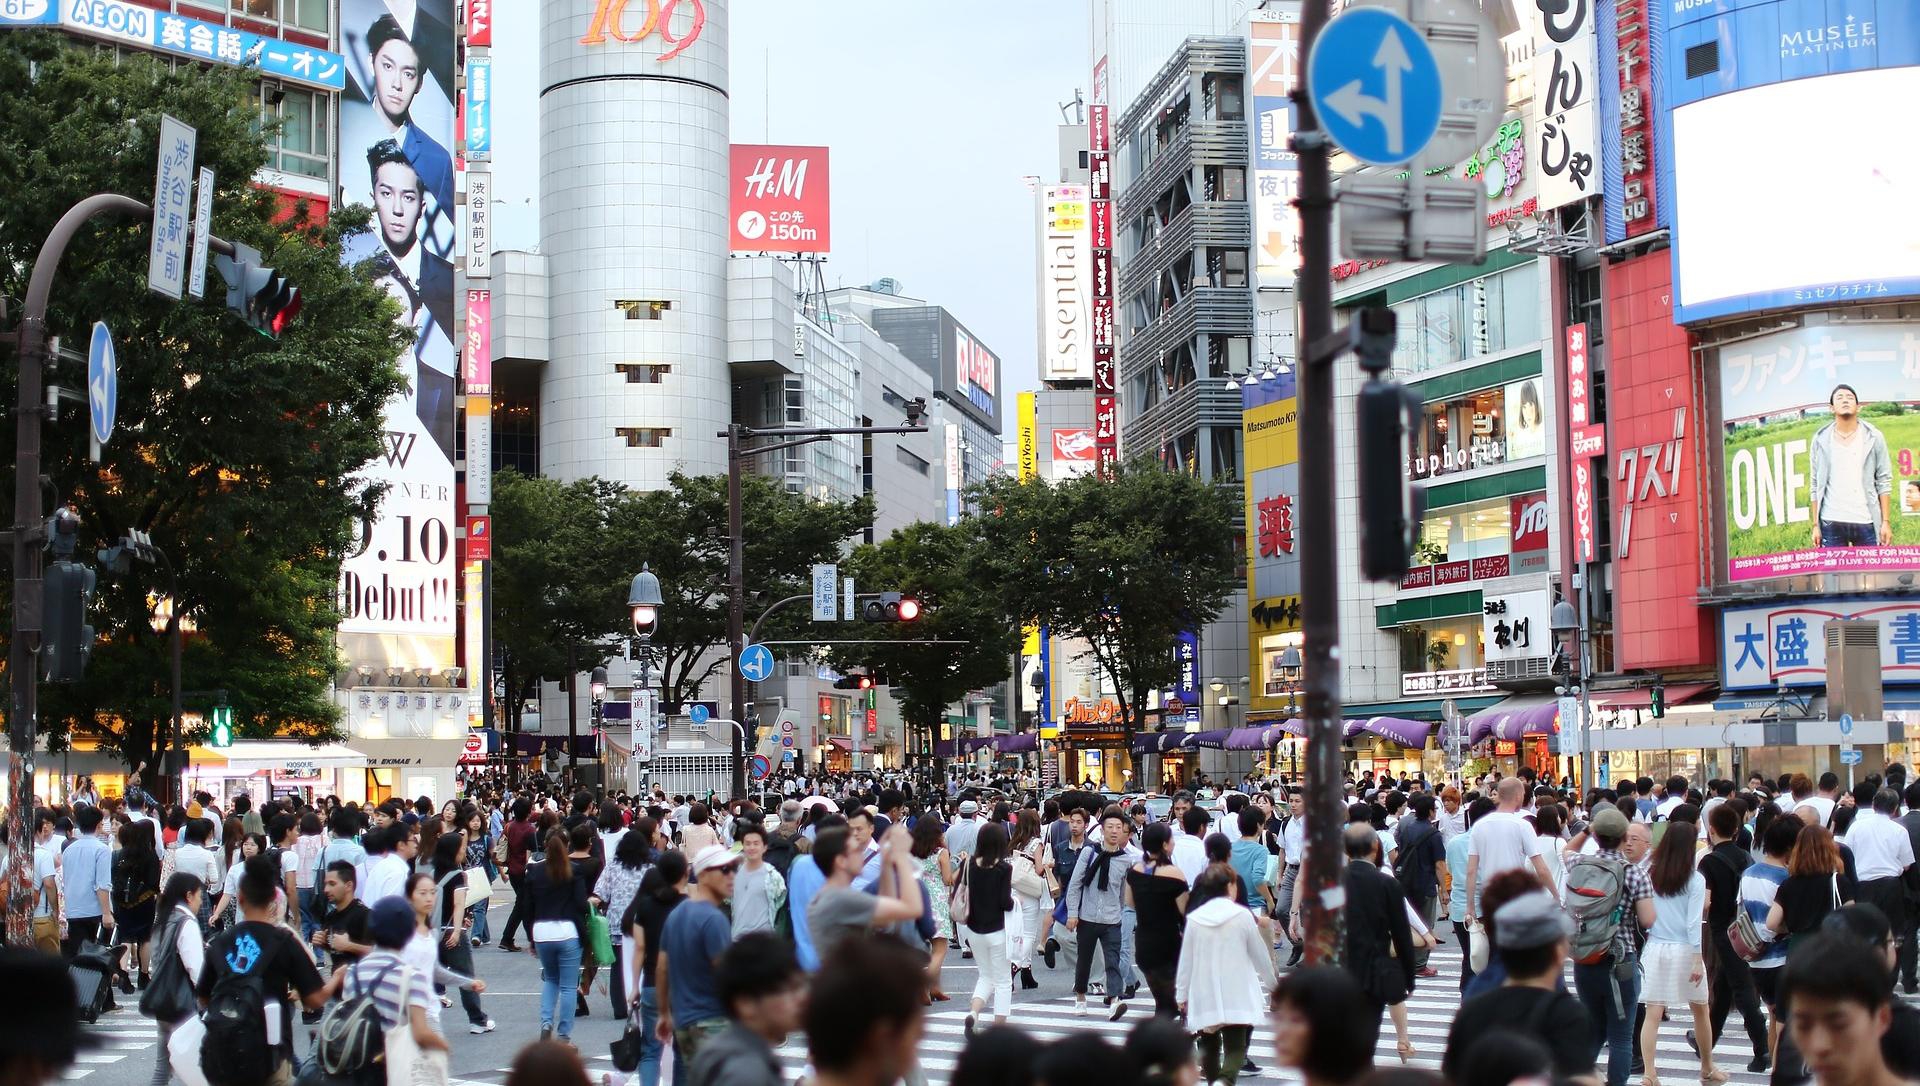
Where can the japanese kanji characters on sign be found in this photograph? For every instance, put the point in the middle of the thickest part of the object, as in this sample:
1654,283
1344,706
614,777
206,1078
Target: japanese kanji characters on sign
1764,646
1564,101
172,208
136,24
1275,531
1822,450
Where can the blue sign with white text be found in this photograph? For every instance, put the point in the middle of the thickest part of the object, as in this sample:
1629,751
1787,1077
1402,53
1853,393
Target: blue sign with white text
1375,85
29,12
118,20
479,109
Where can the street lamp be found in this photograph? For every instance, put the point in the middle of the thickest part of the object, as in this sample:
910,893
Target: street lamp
643,600
1567,620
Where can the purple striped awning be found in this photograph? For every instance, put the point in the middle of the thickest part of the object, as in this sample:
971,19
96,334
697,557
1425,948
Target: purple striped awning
1261,738
1160,742
1024,743
1407,733
1215,739
1510,721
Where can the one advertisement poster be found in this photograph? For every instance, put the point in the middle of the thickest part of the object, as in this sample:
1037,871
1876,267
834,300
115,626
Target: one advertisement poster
479,450
1514,625
779,199
1274,62
1822,453
1525,420
398,589
1769,645
1074,446
476,373
1029,437
1066,283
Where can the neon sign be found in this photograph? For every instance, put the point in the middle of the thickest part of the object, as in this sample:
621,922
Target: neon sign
608,16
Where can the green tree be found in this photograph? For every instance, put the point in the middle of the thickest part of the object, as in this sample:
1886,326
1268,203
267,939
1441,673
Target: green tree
556,593
1123,564
680,532
946,570
237,453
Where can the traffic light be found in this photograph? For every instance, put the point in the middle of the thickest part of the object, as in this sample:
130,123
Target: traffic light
1657,700
221,733
265,299
854,680
1390,505
891,607
66,638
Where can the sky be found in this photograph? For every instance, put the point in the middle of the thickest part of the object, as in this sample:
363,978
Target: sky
935,114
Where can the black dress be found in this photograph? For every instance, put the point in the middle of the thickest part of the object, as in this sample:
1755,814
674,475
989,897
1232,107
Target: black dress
1158,921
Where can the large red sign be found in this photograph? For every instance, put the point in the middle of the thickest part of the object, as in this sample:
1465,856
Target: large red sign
1528,518
479,539
479,22
1583,438
1633,38
1073,445
610,21
778,201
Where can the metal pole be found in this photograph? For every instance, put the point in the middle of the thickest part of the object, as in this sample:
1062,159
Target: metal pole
1586,679
573,718
736,590
1320,607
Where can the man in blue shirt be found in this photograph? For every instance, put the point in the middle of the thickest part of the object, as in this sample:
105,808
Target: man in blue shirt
694,937
804,881
86,877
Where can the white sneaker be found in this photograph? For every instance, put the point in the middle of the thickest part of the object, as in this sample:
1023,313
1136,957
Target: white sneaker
481,1027
1114,1012
1080,1007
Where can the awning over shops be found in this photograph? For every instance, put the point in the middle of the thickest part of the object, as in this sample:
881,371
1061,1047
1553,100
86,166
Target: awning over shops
252,756
1350,728
840,742
1024,743
1161,742
1407,733
1213,740
1515,718
1677,694
1262,738
944,748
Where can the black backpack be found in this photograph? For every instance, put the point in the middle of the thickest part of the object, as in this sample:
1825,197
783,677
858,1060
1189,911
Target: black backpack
1404,869
352,1036
235,1051
131,886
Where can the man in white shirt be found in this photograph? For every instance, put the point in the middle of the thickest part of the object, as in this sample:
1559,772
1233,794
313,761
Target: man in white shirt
1503,841
965,831
46,867
1882,853
1824,802
1189,844
387,874
193,857
1676,795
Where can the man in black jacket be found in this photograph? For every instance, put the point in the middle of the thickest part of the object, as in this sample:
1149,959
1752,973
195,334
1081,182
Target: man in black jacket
1379,940
1418,861
1732,979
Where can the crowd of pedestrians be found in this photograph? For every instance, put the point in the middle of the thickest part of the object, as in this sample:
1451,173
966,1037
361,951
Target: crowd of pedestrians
724,928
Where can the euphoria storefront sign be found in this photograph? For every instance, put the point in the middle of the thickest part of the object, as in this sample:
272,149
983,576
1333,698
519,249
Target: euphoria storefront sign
610,20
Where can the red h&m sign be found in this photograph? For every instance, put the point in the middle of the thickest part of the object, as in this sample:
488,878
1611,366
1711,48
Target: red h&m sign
779,201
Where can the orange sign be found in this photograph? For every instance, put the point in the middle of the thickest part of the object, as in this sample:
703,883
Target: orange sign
609,20
1104,711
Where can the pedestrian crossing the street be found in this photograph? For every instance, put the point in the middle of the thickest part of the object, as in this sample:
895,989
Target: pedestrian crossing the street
1430,1014
122,1033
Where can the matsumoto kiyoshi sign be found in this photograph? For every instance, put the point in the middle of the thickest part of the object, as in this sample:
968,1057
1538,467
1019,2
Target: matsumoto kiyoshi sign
1766,646
1803,495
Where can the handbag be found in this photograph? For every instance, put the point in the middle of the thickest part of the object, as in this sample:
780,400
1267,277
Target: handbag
626,1048
169,995
1026,877
960,904
407,1063
1745,937
479,887
1480,947
599,938
183,1051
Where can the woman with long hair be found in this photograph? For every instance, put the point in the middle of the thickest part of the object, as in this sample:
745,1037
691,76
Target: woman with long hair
479,858
1548,821
661,890
990,900
1031,859
627,862
559,932
430,831
179,922
1157,893
1672,970
135,890
1817,884
1222,996
936,879
1324,1026
447,929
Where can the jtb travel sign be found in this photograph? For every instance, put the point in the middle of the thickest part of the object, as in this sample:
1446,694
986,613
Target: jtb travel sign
1765,647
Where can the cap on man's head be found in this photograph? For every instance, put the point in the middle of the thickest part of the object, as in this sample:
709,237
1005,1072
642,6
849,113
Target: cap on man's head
1531,920
968,807
1609,822
712,858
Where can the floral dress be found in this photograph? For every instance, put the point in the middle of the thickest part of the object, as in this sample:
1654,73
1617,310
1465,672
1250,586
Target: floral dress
936,890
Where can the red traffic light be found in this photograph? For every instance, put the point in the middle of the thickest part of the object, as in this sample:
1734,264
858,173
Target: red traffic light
909,610
866,682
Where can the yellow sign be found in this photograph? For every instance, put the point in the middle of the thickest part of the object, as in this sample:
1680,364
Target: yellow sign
1029,438
1030,646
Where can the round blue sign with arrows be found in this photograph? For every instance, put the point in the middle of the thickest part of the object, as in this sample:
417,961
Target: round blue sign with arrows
103,383
756,663
698,714
1375,85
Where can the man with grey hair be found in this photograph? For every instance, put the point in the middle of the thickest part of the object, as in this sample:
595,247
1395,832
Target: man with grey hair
1503,841
785,841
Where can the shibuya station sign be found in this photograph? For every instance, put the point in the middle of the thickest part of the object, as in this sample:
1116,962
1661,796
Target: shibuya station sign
611,20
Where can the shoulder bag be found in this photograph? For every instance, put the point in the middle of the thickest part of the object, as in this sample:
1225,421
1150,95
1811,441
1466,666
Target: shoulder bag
1026,877
169,996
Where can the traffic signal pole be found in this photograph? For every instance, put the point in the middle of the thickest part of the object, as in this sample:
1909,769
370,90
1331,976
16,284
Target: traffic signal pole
29,533
1319,570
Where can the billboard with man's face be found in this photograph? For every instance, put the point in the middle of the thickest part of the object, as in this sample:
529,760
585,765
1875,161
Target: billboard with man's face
1822,450
396,131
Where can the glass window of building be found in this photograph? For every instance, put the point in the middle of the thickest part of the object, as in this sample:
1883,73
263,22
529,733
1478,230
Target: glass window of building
1462,532
298,120
1498,313
1273,682
1223,97
305,14
1495,425
1448,644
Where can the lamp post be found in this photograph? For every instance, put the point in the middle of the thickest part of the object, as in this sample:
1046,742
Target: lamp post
1566,619
597,692
643,600
1290,675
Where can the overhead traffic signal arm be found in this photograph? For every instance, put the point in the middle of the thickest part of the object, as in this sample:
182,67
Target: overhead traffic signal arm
265,299
891,607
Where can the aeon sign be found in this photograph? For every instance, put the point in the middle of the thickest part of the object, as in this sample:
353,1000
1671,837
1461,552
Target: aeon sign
610,21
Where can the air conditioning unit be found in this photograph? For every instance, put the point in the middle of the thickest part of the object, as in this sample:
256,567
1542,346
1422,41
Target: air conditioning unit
1853,669
1526,671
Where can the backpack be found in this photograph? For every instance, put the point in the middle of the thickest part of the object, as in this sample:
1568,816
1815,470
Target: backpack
1595,893
1404,870
351,1033
781,851
235,1050
130,884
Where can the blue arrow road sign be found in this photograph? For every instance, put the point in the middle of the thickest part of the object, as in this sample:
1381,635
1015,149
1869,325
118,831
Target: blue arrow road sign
1846,723
756,663
1850,757
1375,84
698,714
103,383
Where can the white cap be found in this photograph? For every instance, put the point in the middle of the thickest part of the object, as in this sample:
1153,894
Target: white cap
711,857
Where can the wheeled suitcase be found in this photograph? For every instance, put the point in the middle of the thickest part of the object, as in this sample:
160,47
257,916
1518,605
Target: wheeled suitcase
92,973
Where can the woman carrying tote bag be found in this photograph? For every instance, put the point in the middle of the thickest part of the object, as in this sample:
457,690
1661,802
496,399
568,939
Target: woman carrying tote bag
178,954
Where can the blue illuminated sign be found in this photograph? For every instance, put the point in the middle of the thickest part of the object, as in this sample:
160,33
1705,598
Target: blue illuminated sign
116,20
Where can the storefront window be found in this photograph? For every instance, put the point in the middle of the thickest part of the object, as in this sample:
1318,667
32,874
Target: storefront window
1484,316
1462,532
1491,426
1444,645
1273,682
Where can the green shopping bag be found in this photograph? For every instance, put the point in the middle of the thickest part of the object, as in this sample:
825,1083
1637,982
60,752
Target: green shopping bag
599,938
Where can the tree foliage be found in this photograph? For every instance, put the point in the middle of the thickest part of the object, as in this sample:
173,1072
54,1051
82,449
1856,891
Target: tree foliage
238,454
1123,564
945,569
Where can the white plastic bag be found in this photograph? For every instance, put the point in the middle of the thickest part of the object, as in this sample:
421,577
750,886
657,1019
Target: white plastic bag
183,1051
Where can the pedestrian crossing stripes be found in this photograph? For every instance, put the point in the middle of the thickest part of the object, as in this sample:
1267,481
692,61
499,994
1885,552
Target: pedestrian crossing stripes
121,1034
1430,1013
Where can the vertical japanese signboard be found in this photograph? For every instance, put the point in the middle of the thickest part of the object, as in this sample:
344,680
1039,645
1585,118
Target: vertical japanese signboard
1274,61
398,589
479,224
477,370
1066,284
479,109
1029,437
1584,441
1106,415
172,207
1564,102
1629,202
479,23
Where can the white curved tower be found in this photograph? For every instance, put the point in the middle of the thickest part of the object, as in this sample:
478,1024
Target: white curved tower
633,192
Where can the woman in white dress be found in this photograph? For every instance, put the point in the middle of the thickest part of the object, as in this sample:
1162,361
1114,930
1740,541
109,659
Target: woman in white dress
1672,969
